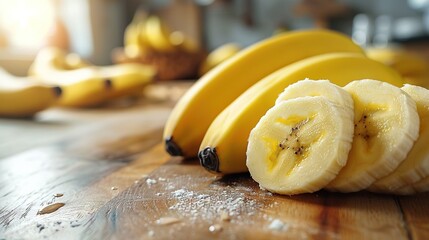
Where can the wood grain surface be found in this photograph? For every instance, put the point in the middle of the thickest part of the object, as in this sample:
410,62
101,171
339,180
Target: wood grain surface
107,171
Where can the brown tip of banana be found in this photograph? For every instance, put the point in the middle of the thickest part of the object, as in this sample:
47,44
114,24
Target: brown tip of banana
209,159
108,84
57,91
172,148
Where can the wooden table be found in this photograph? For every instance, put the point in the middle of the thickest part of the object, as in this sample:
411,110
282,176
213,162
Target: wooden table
107,171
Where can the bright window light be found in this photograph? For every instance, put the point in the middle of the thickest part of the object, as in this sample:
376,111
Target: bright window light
26,23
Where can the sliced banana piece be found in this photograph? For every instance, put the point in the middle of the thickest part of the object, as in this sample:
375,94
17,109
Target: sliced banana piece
386,126
407,178
312,88
300,145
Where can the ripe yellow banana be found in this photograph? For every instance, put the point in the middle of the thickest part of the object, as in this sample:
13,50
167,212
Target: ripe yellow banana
135,43
218,56
223,149
415,167
386,127
406,63
194,112
24,97
88,85
303,141
83,87
127,79
158,34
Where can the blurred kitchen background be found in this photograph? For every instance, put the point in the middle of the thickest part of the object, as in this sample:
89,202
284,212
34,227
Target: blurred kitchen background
95,28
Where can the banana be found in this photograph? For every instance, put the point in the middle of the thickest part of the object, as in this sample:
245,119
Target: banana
88,85
223,149
158,35
302,143
127,79
406,63
194,112
413,68
386,127
23,97
218,56
181,41
83,87
135,43
416,166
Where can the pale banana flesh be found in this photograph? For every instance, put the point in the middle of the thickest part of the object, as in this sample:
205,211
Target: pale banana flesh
413,173
300,144
193,114
24,97
223,149
386,126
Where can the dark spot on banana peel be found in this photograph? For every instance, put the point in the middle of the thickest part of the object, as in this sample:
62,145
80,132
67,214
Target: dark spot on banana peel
57,91
172,148
108,84
209,159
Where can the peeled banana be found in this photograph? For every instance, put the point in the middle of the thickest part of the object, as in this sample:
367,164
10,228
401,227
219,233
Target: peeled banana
386,126
194,112
302,143
409,174
23,96
223,149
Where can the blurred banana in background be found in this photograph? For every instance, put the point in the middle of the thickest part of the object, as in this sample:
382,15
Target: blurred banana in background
23,96
84,84
413,68
149,40
218,55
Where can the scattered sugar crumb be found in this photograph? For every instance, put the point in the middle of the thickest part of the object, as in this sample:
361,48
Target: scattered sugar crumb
136,181
161,179
114,188
167,220
150,181
215,228
151,233
278,225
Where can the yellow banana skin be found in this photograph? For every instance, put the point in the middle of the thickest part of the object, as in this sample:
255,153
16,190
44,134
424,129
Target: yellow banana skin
23,97
158,35
83,87
223,149
128,78
86,85
412,67
193,114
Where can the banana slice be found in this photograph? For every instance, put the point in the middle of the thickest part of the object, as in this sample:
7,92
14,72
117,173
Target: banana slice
300,145
314,88
406,178
386,126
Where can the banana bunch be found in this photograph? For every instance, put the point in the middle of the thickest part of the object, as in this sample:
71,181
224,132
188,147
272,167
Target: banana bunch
86,85
366,135
149,33
412,67
211,94
23,96
218,56
343,135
